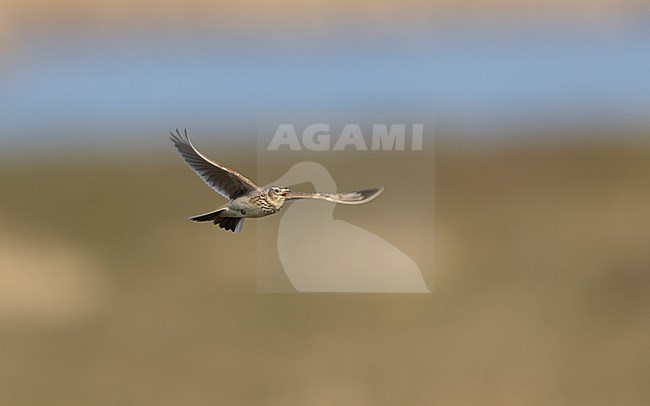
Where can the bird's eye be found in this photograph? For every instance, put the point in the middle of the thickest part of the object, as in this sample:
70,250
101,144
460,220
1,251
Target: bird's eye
243,212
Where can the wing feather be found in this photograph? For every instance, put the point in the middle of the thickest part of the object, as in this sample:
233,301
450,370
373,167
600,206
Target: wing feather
225,181
357,197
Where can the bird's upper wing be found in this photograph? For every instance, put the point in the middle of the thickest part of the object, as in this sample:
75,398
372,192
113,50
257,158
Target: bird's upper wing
228,183
358,197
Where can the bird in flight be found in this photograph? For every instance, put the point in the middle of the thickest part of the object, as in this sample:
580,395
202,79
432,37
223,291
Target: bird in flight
245,198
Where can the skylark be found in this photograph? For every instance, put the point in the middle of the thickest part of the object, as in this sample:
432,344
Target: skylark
245,198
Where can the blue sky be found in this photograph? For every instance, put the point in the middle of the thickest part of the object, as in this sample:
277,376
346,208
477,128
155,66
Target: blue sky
65,87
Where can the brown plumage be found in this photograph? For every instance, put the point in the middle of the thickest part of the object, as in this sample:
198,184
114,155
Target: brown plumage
245,198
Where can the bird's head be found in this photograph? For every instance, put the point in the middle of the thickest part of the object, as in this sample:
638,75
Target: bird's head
279,191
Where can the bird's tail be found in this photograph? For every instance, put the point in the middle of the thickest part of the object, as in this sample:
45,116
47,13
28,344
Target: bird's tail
234,224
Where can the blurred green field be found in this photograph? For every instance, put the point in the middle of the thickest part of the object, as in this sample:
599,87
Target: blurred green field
108,295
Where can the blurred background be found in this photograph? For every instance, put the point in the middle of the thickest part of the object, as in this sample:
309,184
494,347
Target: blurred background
108,295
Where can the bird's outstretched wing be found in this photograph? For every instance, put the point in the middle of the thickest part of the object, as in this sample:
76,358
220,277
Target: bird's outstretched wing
358,197
228,183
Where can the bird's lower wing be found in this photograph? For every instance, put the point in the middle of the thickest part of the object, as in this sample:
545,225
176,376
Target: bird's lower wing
358,197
